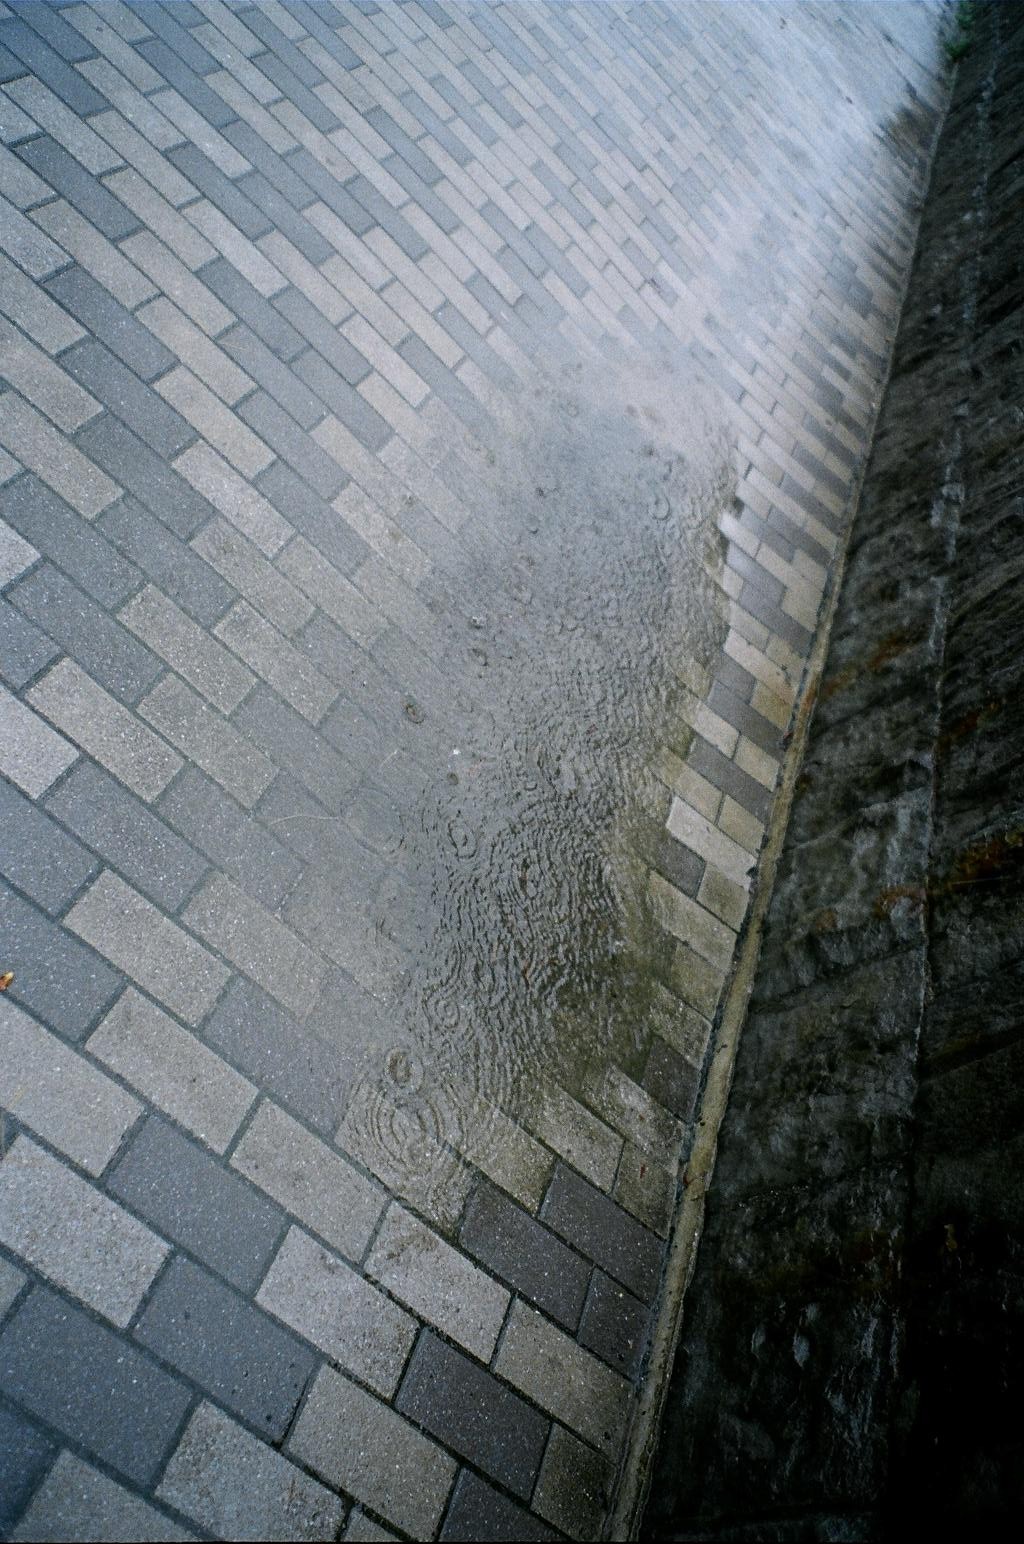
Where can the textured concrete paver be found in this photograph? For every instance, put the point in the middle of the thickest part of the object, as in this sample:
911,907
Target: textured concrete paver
307,312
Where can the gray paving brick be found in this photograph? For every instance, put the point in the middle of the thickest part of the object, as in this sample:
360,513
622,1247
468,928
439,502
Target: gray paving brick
245,302
37,856
192,1200
278,379
561,1377
309,1180
148,947
32,755
574,1489
614,1325
258,944
33,441
481,1513
75,703
237,1487
224,194
55,977
466,1408
283,435
146,414
155,484
208,740
178,571
73,1234
11,1282
297,748
76,1501
25,1452
188,648
91,1384
438,1283
44,62
344,402
239,562
361,1529
103,316
16,554
603,1231
24,650
281,666
172,1069
83,629
314,517
210,1334
48,1087
217,423
520,1251
572,1130
30,247
166,272
43,382
332,1306
361,1446
53,528
67,176
247,851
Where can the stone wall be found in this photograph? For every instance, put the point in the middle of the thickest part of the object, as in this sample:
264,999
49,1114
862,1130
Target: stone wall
853,1335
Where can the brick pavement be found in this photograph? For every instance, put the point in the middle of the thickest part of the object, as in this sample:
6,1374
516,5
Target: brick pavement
275,281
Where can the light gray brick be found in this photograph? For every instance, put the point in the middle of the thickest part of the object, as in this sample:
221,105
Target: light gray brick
116,50
201,133
34,441
66,127
328,1303
105,728
189,344
32,755
11,1282
279,664
74,1235
331,591
627,1107
32,372
208,740
646,1185
160,217
503,1151
248,511
237,1487
572,1130
703,837
16,554
189,648
215,422
303,1175
681,916
361,1529
137,109
258,944
366,1449
14,124
141,153
54,1091
171,276
19,182
240,252
151,949
438,1185
76,1502
437,1282
549,1367
238,561
29,305
94,252
172,1069
22,240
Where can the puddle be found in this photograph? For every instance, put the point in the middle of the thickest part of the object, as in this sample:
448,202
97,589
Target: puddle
519,891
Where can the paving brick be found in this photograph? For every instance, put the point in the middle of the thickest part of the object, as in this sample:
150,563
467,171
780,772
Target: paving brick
118,388
11,1282
105,317
48,1087
479,1512
91,1384
25,1452
325,1301
67,176
155,214
188,648
686,920
224,430
31,754
258,944
79,239
239,562
207,739
83,629
55,104
526,1255
46,384
55,977
277,378
148,947
631,1110
502,1150
237,1487
155,484
614,1325
281,666
603,1231
298,749
37,856
168,274
172,565
574,1132
574,1489
309,1180
194,1201
330,591
561,1377
76,1501
437,1282
465,1407
33,441
283,435
248,852
73,1234
218,1339
246,303
361,1446
646,1186
108,731
361,1529
15,555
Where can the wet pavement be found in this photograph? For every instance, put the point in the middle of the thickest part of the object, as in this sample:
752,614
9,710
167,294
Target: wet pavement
428,433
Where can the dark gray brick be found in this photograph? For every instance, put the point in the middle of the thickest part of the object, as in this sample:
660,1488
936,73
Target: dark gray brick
479,1512
37,856
50,68
286,219
344,402
471,343
680,866
748,568
387,216
230,1348
603,1231
422,196
165,21
614,1325
253,855
728,705
220,190
327,846
525,1255
311,106
125,458
72,543
178,571
98,311
146,413
409,151
85,631
753,599
727,776
192,1199
304,1073
312,18
446,383
47,21
284,436
276,377
277,44
67,176
670,1079
443,133
466,1407
55,977
127,835
247,303
91,1384
467,115
313,516
25,1453
329,190
280,171
297,747
24,650
185,81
